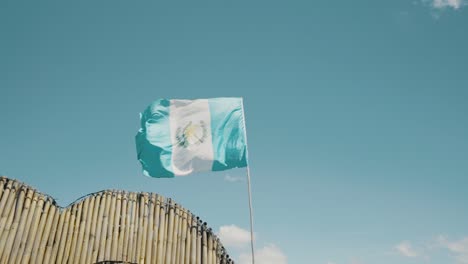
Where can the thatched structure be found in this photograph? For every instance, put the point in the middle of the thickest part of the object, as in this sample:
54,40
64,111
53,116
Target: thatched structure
102,227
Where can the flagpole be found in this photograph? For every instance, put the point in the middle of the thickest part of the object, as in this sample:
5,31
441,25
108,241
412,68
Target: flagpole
251,216
248,185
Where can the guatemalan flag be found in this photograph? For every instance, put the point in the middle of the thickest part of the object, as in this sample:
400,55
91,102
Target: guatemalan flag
179,137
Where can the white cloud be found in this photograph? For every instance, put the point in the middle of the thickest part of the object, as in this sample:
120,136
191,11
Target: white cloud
441,4
230,178
455,4
458,248
406,249
234,236
270,254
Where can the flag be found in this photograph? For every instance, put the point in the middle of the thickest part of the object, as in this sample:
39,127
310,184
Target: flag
180,137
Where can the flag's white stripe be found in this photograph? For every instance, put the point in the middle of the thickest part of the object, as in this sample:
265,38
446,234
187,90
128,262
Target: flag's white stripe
190,125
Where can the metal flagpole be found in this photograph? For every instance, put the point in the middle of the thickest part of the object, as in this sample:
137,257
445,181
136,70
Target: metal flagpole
248,184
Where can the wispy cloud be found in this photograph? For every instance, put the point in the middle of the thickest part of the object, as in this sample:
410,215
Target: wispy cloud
455,4
234,236
230,178
458,248
442,4
406,249
237,237
270,254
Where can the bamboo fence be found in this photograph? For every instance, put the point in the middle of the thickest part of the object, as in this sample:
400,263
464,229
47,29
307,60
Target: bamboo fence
103,227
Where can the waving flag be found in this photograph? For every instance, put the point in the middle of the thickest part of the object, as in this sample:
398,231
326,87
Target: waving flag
179,137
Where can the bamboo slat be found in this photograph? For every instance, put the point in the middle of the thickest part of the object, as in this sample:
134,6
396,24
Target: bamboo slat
86,237
144,225
204,245
17,249
162,234
170,234
122,228
98,223
7,217
80,226
174,233
125,255
105,222
70,233
40,230
133,230
116,226
50,242
149,235
188,239
33,230
63,236
45,237
110,227
13,228
156,224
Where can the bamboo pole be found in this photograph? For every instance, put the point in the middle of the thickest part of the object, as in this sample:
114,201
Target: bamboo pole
188,242
149,236
105,222
155,233
95,229
50,240
131,251
36,250
193,248
5,206
122,227
162,233
23,228
47,228
63,236
3,181
161,230
7,217
110,227
82,220
70,233
209,256
170,234
183,237
144,225
117,224
13,228
4,239
75,232
166,228
204,245
175,233
126,206
215,251
87,232
56,245
33,230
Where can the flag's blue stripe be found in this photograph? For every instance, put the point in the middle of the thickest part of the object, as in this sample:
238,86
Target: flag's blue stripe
227,133
153,141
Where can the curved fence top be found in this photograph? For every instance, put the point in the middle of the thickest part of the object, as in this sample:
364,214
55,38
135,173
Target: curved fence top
109,226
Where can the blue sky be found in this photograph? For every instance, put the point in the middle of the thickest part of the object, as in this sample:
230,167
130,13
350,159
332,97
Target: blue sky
356,116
